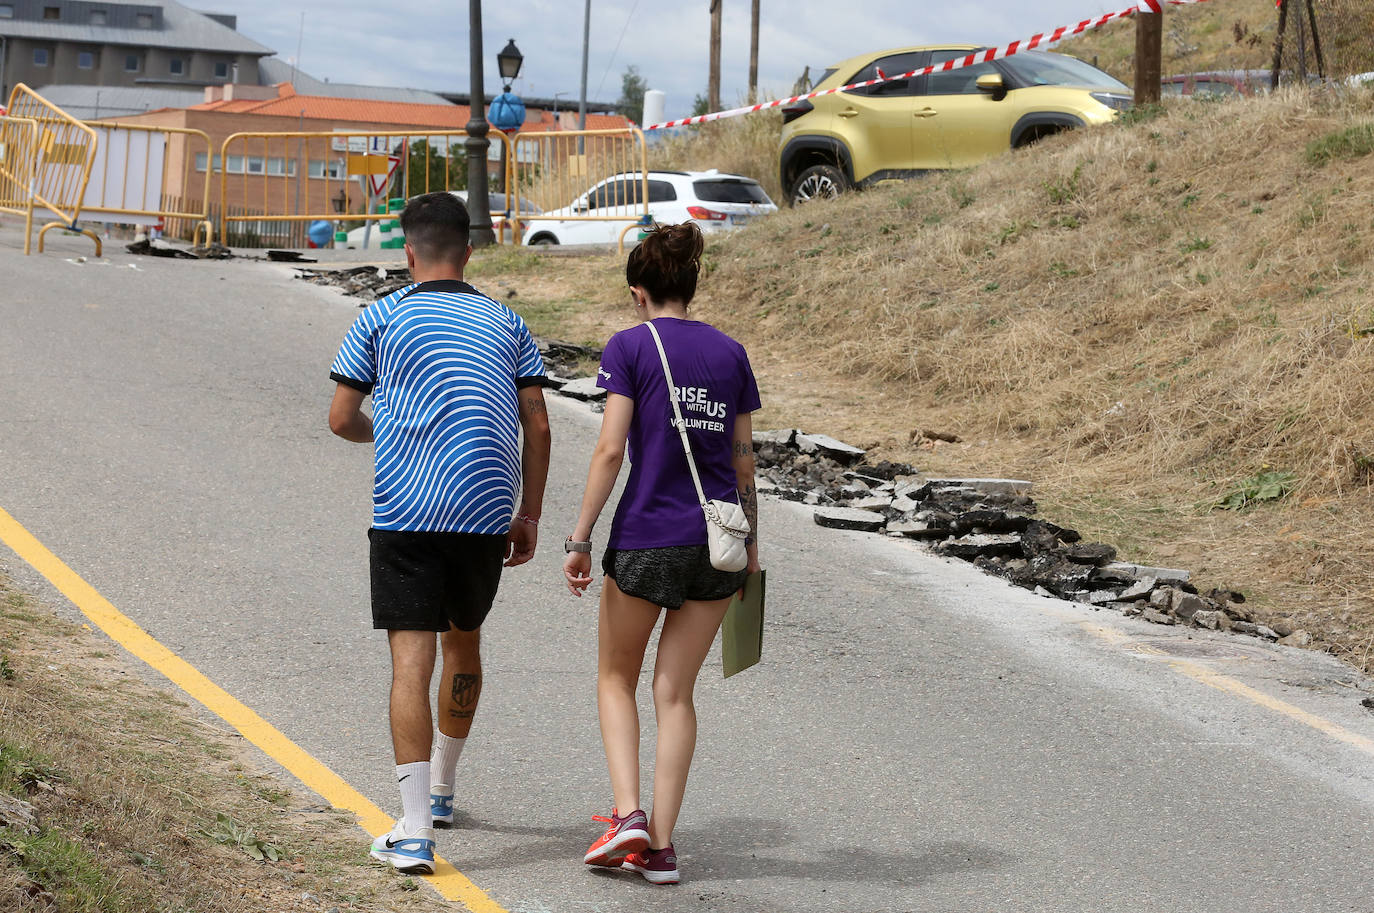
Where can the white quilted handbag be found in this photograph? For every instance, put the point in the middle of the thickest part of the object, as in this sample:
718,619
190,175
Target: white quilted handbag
727,527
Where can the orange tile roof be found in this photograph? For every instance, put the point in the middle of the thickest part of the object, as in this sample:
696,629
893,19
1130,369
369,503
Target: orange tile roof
402,114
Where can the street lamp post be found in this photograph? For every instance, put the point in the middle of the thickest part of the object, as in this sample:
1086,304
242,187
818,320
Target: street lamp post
507,110
479,207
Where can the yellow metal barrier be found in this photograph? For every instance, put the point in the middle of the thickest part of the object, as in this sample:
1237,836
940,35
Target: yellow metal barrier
271,184
18,158
136,168
64,151
558,171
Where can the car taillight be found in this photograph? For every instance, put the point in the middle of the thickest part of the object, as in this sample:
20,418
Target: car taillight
796,110
706,215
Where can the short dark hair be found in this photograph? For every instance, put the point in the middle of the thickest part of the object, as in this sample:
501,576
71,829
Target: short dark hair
436,226
666,263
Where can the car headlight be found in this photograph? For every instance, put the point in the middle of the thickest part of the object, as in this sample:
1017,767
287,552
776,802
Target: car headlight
1112,100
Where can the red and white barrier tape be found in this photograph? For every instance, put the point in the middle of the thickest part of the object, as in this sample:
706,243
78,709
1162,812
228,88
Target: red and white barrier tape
1035,41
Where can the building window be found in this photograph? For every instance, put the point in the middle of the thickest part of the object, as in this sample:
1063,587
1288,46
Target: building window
6,11
40,57
99,17
221,70
176,66
333,169
52,12
144,20
85,60
132,64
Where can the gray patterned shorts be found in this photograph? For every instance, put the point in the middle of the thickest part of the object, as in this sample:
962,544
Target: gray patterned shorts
671,575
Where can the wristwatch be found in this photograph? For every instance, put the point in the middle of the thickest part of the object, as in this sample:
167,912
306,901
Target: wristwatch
570,546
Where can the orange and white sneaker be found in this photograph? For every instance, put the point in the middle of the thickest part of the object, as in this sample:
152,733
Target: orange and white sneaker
657,866
624,836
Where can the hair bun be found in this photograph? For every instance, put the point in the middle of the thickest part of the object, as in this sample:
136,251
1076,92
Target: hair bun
667,261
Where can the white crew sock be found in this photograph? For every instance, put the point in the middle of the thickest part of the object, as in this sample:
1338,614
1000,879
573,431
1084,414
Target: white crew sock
447,751
413,779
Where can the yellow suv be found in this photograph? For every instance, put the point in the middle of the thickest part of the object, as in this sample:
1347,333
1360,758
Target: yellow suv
904,127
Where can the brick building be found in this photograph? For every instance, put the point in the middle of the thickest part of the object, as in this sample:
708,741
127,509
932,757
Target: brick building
311,175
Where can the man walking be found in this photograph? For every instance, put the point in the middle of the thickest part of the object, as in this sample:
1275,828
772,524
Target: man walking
454,378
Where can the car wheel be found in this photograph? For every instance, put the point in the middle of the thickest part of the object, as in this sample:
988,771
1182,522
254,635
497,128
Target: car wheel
819,182
543,239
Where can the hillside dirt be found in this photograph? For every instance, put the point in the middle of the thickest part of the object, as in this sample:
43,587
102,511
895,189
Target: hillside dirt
1154,321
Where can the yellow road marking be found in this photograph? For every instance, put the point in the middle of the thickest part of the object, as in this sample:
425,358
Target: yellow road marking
448,881
1226,683
1240,689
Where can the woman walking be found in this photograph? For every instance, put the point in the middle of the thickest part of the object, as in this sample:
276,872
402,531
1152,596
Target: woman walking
656,555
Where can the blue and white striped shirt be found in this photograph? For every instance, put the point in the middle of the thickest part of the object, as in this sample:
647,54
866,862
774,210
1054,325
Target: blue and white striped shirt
443,363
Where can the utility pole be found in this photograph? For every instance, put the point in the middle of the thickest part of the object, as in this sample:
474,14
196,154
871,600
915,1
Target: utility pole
479,207
582,98
1149,54
713,78
754,53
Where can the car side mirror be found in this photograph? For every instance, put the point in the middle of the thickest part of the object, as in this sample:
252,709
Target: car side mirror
580,206
992,84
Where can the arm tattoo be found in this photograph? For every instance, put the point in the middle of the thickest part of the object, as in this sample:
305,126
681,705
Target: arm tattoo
534,405
464,693
749,500
743,449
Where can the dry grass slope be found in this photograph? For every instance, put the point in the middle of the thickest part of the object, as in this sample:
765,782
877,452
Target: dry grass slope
1235,35
1145,318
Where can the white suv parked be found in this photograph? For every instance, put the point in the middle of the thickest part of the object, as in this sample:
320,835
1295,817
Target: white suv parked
715,201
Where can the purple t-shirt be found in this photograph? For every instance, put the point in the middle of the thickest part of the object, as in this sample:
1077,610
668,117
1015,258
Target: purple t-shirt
715,383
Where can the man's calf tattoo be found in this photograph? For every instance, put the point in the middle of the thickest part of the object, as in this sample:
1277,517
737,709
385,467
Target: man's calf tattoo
465,691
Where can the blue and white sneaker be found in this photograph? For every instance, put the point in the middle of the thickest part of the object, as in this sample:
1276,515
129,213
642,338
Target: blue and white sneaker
412,854
441,805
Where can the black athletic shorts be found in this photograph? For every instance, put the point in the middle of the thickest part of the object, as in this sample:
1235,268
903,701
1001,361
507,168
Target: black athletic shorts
423,581
670,576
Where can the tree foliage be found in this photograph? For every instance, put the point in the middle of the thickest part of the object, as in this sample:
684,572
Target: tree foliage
447,170
632,88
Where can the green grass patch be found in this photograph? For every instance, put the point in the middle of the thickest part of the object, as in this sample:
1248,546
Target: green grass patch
1263,486
63,869
502,259
1142,114
1351,143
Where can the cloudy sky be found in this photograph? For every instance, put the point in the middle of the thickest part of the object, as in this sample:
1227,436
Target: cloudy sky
425,45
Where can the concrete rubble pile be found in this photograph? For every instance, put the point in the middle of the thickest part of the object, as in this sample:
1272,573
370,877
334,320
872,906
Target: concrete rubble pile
366,282
990,523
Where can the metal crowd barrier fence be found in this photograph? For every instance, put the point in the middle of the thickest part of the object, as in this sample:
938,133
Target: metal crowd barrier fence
567,172
18,159
272,185
134,169
63,153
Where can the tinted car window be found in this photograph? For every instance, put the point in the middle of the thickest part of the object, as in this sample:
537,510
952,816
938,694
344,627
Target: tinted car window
1214,87
729,192
890,66
602,196
963,81
661,192
1037,68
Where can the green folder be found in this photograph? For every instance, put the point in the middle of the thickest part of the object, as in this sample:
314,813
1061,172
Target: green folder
741,633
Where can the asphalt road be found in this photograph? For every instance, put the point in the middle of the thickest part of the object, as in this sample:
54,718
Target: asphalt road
919,737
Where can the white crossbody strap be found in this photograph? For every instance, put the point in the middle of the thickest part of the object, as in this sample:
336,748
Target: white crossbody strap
677,413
